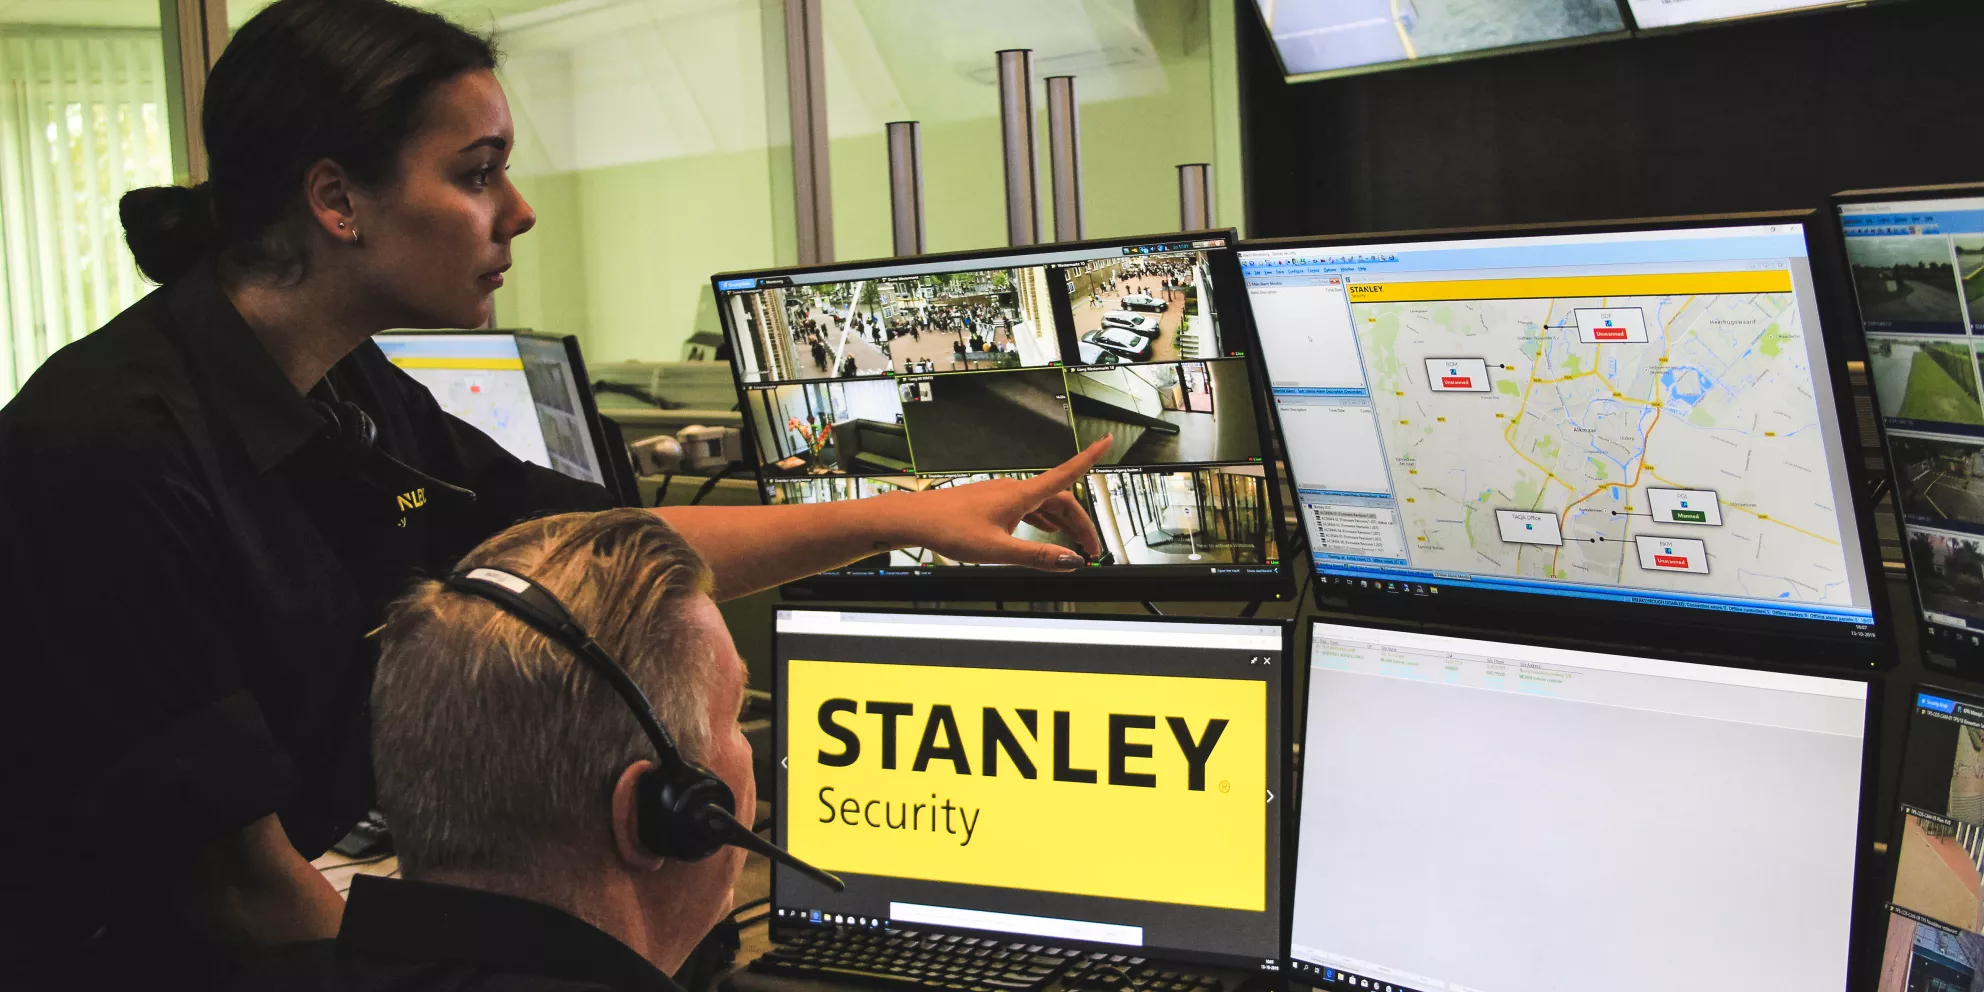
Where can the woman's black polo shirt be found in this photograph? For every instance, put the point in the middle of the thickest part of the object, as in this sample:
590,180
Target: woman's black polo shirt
188,566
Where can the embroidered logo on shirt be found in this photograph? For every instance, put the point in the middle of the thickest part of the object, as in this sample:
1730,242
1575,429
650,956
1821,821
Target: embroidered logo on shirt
414,499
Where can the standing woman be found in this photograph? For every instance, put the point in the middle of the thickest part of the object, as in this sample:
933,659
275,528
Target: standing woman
205,505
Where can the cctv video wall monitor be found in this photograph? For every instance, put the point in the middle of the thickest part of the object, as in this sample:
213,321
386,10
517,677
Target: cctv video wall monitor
1935,918
1085,785
1319,39
527,391
1490,815
864,378
1626,434
1653,15
1916,257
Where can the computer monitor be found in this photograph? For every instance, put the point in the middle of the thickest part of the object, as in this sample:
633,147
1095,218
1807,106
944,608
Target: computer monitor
1318,39
863,378
1102,785
1490,815
1916,255
527,391
1601,432
1935,916
1653,15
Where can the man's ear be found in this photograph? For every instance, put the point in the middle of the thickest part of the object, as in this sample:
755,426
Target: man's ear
626,819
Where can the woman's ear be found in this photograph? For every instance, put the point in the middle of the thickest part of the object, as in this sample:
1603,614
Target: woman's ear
327,192
627,821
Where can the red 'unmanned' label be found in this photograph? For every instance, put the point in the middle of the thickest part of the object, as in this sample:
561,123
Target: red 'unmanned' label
1608,334
1457,381
1669,561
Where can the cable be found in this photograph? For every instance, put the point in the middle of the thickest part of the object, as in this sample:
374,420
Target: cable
753,904
1252,608
661,491
1152,607
708,487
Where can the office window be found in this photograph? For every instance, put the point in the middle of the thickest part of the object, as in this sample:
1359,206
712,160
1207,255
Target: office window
83,119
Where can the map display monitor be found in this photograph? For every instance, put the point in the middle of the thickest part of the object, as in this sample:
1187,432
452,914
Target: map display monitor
1917,259
1321,38
520,389
1935,913
864,379
1487,815
1599,432
1655,14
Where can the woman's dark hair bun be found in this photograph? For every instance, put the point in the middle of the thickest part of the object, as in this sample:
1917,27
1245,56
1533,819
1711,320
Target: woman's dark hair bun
169,229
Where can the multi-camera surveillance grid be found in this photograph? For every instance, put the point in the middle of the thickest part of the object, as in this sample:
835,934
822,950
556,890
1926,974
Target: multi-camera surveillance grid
863,378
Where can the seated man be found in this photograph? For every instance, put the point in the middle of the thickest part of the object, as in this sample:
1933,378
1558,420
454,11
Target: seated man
507,770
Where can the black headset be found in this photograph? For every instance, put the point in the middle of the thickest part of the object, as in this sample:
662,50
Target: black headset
683,810
354,438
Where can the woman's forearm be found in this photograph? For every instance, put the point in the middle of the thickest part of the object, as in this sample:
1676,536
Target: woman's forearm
750,548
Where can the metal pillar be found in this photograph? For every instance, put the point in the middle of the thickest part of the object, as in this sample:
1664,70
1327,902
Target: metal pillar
1016,130
906,185
193,32
806,82
1195,197
1064,157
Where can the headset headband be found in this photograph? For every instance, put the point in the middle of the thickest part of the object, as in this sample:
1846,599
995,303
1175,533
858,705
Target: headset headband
531,603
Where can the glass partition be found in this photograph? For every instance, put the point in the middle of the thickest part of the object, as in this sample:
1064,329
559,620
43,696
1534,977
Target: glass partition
1145,81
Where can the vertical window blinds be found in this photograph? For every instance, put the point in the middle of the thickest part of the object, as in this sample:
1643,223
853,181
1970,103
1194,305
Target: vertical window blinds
82,121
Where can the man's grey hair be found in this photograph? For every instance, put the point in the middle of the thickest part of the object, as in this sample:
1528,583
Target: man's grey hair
496,748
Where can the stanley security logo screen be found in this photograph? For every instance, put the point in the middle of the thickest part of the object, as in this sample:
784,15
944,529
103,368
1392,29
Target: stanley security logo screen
1037,772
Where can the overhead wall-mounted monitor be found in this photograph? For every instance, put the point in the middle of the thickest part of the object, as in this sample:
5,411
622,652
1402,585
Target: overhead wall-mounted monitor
1321,38
1918,274
1655,14
901,375
1594,432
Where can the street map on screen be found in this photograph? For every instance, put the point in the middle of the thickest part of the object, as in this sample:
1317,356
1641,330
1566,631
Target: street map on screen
1641,417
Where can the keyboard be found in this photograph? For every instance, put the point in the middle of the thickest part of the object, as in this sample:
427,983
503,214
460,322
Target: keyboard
904,960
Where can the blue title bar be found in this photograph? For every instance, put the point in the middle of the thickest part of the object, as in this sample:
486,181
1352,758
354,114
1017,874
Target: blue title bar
1936,703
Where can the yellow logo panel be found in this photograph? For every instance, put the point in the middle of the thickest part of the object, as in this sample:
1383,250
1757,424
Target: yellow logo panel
1121,786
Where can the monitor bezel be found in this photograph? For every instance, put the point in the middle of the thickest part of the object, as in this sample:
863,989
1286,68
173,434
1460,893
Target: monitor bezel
1762,642
1863,936
603,450
1938,648
781,931
1102,584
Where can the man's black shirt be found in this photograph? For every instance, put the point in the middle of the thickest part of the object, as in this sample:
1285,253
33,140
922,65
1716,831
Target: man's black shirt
401,936
189,563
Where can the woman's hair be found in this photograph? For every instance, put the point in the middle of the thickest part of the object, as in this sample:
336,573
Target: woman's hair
303,81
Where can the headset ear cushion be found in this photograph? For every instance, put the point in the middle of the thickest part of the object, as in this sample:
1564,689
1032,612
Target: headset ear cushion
666,819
